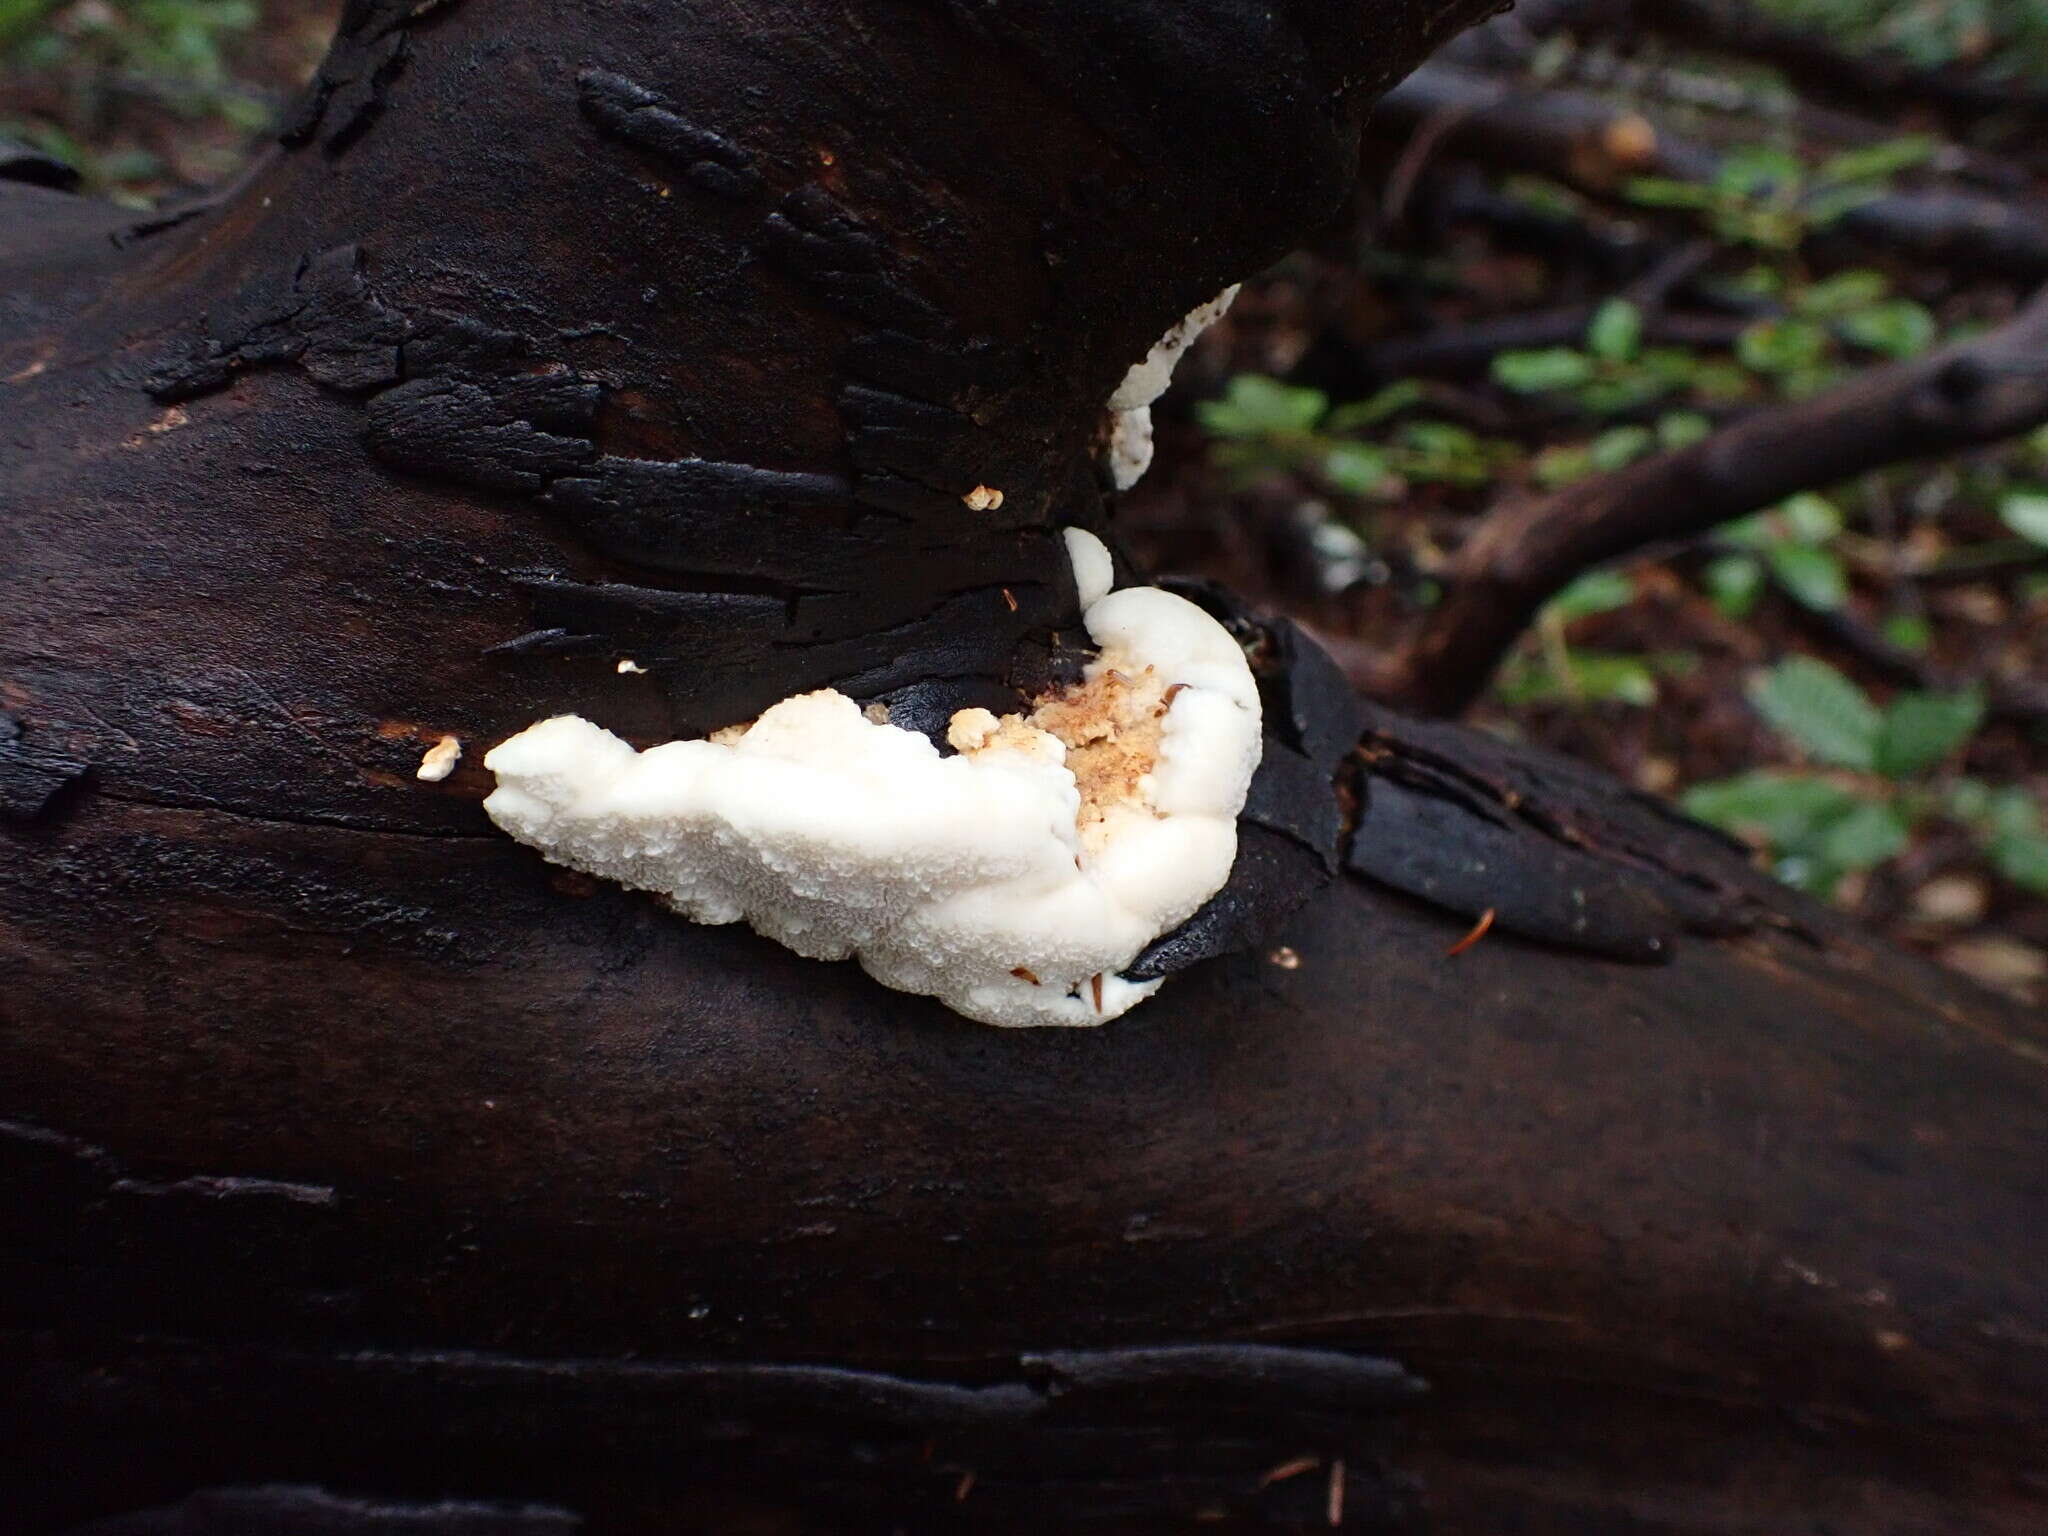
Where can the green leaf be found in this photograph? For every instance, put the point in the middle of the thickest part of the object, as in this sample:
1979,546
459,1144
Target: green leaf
1993,813
1620,446
1854,289
1562,464
1861,837
1376,407
1681,429
2026,514
1808,518
1782,809
1920,729
1632,388
1908,631
1750,170
1896,328
1817,708
1719,380
1597,677
1874,162
1759,280
1548,368
1594,592
1445,437
1665,192
1544,196
1357,469
2011,812
1603,679
1734,582
1256,406
1831,203
1813,576
1781,346
1616,333
1443,452
2023,860
1674,366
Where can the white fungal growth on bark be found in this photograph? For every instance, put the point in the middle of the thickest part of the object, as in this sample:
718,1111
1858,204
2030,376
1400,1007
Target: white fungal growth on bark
1013,881
1130,404
439,760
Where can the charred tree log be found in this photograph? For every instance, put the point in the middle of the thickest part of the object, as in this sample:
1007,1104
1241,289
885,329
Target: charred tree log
359,1172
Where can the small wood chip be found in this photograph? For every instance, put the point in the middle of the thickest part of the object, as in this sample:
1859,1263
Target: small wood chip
630,666
1288,1469
1023,973
439,760
1097,984
1010,598
1478,932
1335,1507
1166,699
983,498
964,1487
1285,958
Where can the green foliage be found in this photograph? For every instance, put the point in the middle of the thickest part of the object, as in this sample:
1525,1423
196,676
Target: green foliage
2026,514
1908,631
2007,36
1585,677
1812,576
1262,425
1544,370
1791,544
1820,711
1616,334
1922,730
1594,592
1821,826
1254,406
1764,197
1612,374
175,53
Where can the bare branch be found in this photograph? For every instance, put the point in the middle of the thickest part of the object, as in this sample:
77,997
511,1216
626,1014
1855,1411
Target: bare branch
1522,554
1596,145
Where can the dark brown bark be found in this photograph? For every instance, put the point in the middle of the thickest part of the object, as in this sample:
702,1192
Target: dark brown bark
1521,555
343,1143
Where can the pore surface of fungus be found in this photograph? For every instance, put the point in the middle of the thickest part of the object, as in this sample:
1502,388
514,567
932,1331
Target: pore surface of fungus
1013,881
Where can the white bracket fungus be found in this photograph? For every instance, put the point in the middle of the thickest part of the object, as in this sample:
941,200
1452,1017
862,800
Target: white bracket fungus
1130,404
1013,881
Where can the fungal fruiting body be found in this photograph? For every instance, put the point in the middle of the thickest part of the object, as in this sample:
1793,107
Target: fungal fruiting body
439,760
1012,881
1130,404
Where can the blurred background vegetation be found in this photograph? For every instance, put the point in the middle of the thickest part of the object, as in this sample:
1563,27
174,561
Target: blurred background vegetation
1855,681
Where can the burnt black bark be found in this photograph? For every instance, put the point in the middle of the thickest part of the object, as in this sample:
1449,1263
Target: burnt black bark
352,1161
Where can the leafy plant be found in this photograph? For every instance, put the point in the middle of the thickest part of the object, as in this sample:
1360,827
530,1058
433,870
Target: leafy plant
1878,774
1553,671
1999,35
1789,544
1767,198
1261,425
1611,373
176,54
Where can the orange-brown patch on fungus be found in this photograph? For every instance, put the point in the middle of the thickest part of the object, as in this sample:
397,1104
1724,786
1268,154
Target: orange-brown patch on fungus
1111,726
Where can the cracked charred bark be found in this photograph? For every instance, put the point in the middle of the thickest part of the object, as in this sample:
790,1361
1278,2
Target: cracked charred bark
354,1162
